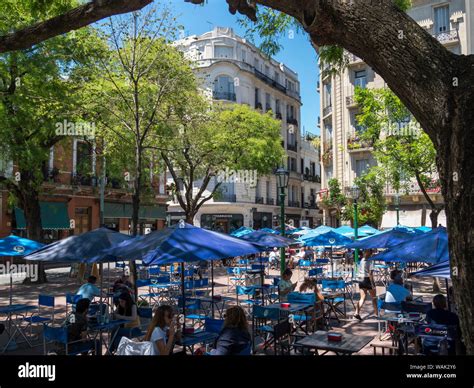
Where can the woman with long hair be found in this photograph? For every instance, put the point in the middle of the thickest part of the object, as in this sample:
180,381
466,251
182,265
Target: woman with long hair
234,337
162,330
126,310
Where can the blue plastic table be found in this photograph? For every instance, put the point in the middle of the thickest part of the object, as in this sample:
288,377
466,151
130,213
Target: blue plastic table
10,311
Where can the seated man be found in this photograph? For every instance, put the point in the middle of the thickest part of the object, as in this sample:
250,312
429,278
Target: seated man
89,290
440,314
396,292
77,329
285,286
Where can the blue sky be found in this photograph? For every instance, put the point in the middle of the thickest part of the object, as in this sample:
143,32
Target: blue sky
297,53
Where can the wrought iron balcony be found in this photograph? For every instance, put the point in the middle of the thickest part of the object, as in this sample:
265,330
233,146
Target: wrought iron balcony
229,96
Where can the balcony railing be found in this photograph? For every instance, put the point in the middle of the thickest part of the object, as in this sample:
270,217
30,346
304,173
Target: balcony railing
293,204
270,201
291,120
327,157
447,36
310,205
327,110
265,78
292,147
350,101
78,179
229,96
259,200
225,198
355,143
312,178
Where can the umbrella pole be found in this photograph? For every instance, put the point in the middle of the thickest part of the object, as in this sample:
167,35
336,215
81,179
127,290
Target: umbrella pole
183,296
101,288
212,287
11,282
332,265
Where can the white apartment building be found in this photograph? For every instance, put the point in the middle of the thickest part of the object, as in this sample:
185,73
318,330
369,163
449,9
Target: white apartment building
451,22
230,69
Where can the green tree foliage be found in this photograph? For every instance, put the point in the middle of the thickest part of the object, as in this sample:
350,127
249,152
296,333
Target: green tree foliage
335,198
371,203
401,148
214,139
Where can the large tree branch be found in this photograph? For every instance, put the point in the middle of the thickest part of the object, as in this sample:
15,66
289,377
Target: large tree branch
72,20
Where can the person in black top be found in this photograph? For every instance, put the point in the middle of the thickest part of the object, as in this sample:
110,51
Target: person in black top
235,336
77,329
439,314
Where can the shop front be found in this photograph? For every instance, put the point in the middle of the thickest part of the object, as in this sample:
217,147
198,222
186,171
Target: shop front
224,223
262,220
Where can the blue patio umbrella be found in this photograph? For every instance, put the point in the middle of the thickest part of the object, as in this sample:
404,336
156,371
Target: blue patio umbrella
17,246
182,244
424,229
385,239
79,248
408,229
367,229
431,247
268,240
440,270
349,232
331,239
241,231
316,231
268,230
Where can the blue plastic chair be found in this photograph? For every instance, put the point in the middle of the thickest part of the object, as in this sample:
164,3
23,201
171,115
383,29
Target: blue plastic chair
193,311
315,272
250,293
213,325
59,335
264,319
45,302
235,277
333,303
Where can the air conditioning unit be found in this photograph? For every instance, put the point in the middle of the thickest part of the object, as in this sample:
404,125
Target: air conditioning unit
304,223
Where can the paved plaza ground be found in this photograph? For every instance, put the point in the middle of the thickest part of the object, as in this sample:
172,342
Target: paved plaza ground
59,284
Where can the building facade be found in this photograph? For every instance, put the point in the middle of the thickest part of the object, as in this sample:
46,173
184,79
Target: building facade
70,196
344,158
232,70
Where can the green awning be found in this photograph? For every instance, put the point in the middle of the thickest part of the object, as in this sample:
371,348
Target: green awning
54,215
124,210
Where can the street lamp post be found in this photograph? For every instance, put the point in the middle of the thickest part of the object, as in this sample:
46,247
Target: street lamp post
355,193
282,176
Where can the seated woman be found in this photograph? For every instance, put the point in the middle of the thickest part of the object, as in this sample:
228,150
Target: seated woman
285,285
234,337
121,286
163,330
126,310
77,329
311,285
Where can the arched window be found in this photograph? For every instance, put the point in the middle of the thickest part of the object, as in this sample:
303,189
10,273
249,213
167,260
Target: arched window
224,88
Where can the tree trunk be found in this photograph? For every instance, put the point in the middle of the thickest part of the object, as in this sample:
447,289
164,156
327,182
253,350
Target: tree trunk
434,217
456,167
190,218
32,211
135,212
